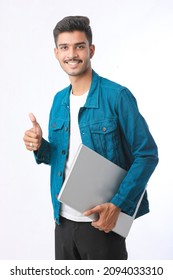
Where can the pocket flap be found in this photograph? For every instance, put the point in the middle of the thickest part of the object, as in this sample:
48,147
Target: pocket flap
104,127
56,124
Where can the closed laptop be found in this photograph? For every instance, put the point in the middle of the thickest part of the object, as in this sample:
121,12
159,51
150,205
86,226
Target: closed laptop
94,180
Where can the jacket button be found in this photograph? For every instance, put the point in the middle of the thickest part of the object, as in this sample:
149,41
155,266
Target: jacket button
59,173
63,152
104,129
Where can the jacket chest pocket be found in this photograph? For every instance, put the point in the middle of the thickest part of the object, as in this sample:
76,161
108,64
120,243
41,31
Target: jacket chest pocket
104,137
56,130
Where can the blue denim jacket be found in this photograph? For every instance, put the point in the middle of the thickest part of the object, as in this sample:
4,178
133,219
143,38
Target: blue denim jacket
110,124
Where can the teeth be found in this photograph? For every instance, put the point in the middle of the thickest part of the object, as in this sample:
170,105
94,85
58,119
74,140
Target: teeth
75,62
72,62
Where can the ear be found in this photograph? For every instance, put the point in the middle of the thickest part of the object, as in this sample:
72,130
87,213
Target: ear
92,50
56,52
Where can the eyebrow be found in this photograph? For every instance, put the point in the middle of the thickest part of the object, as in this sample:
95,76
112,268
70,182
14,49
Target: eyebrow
76,44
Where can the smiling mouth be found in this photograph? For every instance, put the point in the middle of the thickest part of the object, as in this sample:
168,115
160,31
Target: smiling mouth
73,61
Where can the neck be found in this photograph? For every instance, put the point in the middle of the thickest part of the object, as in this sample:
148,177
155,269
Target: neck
81,84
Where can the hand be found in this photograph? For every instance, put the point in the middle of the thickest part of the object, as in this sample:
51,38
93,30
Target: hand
33,136
108,215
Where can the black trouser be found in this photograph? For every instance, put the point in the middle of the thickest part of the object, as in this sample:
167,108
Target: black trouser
81,241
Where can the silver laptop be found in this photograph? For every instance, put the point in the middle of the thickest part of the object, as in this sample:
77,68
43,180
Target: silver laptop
93,180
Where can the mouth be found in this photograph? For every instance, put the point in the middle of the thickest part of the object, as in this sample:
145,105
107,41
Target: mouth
73,62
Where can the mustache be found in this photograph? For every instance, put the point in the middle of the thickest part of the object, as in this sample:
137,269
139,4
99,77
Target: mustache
73,60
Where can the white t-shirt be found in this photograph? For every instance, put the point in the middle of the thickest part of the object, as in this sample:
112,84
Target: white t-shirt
76,102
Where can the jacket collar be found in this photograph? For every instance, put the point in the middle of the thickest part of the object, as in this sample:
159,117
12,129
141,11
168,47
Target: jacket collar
93,95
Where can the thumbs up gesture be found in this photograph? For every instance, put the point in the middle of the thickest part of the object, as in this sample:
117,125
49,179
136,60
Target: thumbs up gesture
33,137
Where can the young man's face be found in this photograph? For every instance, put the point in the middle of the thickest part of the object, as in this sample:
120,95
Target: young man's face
74,52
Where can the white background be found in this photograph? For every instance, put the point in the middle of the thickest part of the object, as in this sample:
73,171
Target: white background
134,47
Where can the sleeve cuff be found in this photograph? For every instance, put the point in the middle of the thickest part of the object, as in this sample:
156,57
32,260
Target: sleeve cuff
42,155
125,205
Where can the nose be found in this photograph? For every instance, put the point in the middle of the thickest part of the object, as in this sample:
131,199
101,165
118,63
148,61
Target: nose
72,53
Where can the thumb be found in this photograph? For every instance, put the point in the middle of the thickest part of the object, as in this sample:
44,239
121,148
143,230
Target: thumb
92,211
34,121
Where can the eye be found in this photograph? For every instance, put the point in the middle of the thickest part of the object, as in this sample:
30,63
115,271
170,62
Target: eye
80,47
63,48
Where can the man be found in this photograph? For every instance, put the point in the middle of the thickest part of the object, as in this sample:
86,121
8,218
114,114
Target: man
103,116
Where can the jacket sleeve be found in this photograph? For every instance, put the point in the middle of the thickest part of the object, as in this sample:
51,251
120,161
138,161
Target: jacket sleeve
43,154
142,147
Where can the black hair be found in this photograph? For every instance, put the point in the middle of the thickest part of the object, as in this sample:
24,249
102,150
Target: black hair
73,23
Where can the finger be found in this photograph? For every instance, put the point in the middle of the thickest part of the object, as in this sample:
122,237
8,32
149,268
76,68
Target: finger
87,213
100,227
32,146
97,224
107,231
28,139
31,134
92,211
31,142
31,149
